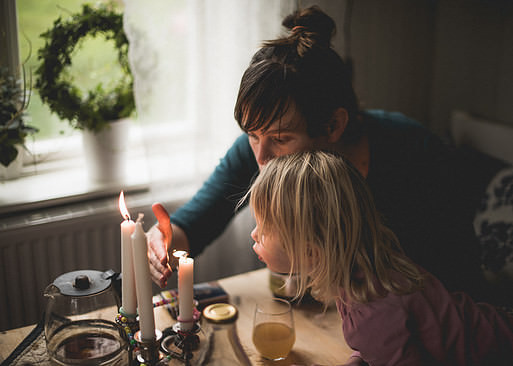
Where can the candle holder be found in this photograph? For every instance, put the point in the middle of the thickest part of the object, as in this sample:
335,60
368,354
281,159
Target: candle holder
175,342
180,343
148,351
140,352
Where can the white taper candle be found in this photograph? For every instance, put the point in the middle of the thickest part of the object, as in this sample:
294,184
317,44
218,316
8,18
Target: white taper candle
185,292
143,282
128,296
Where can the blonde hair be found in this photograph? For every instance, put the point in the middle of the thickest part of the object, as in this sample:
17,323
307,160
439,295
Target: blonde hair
324,216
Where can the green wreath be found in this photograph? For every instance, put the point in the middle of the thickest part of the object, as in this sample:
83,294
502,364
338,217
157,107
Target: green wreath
99,107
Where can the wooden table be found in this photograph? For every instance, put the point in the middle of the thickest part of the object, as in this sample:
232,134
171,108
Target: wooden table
319,336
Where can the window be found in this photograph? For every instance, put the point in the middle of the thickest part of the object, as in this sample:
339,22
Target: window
187,57
93,59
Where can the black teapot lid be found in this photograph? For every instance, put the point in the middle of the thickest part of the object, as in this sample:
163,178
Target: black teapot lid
83,283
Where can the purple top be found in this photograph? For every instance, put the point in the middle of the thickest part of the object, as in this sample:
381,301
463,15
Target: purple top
430,326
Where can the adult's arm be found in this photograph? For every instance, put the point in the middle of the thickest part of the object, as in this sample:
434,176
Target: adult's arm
193,226
207,214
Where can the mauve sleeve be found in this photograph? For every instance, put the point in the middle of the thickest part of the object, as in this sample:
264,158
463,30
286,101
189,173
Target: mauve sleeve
381,332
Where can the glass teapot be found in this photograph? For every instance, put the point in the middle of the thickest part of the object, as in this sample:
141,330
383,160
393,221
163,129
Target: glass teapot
80,327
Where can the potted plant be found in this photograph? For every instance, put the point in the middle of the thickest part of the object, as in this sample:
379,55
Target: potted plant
99,113
14,100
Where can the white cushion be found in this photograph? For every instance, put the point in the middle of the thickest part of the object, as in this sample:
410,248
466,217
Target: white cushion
490,137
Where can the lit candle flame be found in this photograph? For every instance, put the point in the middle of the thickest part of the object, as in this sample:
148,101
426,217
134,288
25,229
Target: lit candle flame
180,253
122,207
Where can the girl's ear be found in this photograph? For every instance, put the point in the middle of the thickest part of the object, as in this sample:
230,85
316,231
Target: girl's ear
338,124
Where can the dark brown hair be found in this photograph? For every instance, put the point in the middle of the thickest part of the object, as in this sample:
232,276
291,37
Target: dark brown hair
300,70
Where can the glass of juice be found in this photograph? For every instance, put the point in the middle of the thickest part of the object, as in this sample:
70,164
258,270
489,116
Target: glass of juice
273,328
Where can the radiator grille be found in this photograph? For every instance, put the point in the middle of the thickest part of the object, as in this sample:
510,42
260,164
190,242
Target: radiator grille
32,257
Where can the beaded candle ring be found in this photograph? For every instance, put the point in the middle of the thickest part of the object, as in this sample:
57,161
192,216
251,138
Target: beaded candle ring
130,327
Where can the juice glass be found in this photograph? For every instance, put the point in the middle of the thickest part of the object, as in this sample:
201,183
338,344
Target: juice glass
273,328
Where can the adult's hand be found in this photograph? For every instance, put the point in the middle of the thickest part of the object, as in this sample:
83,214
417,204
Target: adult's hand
159,242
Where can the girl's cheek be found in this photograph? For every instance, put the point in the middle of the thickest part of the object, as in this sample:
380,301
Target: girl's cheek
257,249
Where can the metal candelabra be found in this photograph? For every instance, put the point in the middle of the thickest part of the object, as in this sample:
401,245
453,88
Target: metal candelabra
177,342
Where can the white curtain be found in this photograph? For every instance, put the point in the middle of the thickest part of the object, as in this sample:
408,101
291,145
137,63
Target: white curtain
187,57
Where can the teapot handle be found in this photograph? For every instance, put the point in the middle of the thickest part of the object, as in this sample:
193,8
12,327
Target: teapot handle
51,291
115,279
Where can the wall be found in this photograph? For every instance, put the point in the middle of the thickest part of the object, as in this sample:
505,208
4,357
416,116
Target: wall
472,62
426,57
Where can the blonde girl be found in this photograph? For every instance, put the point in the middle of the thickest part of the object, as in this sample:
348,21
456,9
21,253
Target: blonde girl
316,217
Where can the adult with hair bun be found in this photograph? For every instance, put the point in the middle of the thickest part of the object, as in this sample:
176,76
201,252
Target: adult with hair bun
296,95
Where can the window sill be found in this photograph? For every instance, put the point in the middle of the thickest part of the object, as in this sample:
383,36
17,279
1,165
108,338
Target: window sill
162,160
64,182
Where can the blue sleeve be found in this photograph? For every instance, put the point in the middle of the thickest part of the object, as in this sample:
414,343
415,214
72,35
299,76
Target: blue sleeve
207,214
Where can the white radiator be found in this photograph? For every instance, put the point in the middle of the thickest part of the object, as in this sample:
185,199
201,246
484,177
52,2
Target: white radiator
37,248
33,254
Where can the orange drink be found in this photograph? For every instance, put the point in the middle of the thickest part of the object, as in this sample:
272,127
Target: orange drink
273,329
273,340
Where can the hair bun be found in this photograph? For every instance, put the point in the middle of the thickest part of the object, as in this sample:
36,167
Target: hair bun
313,23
